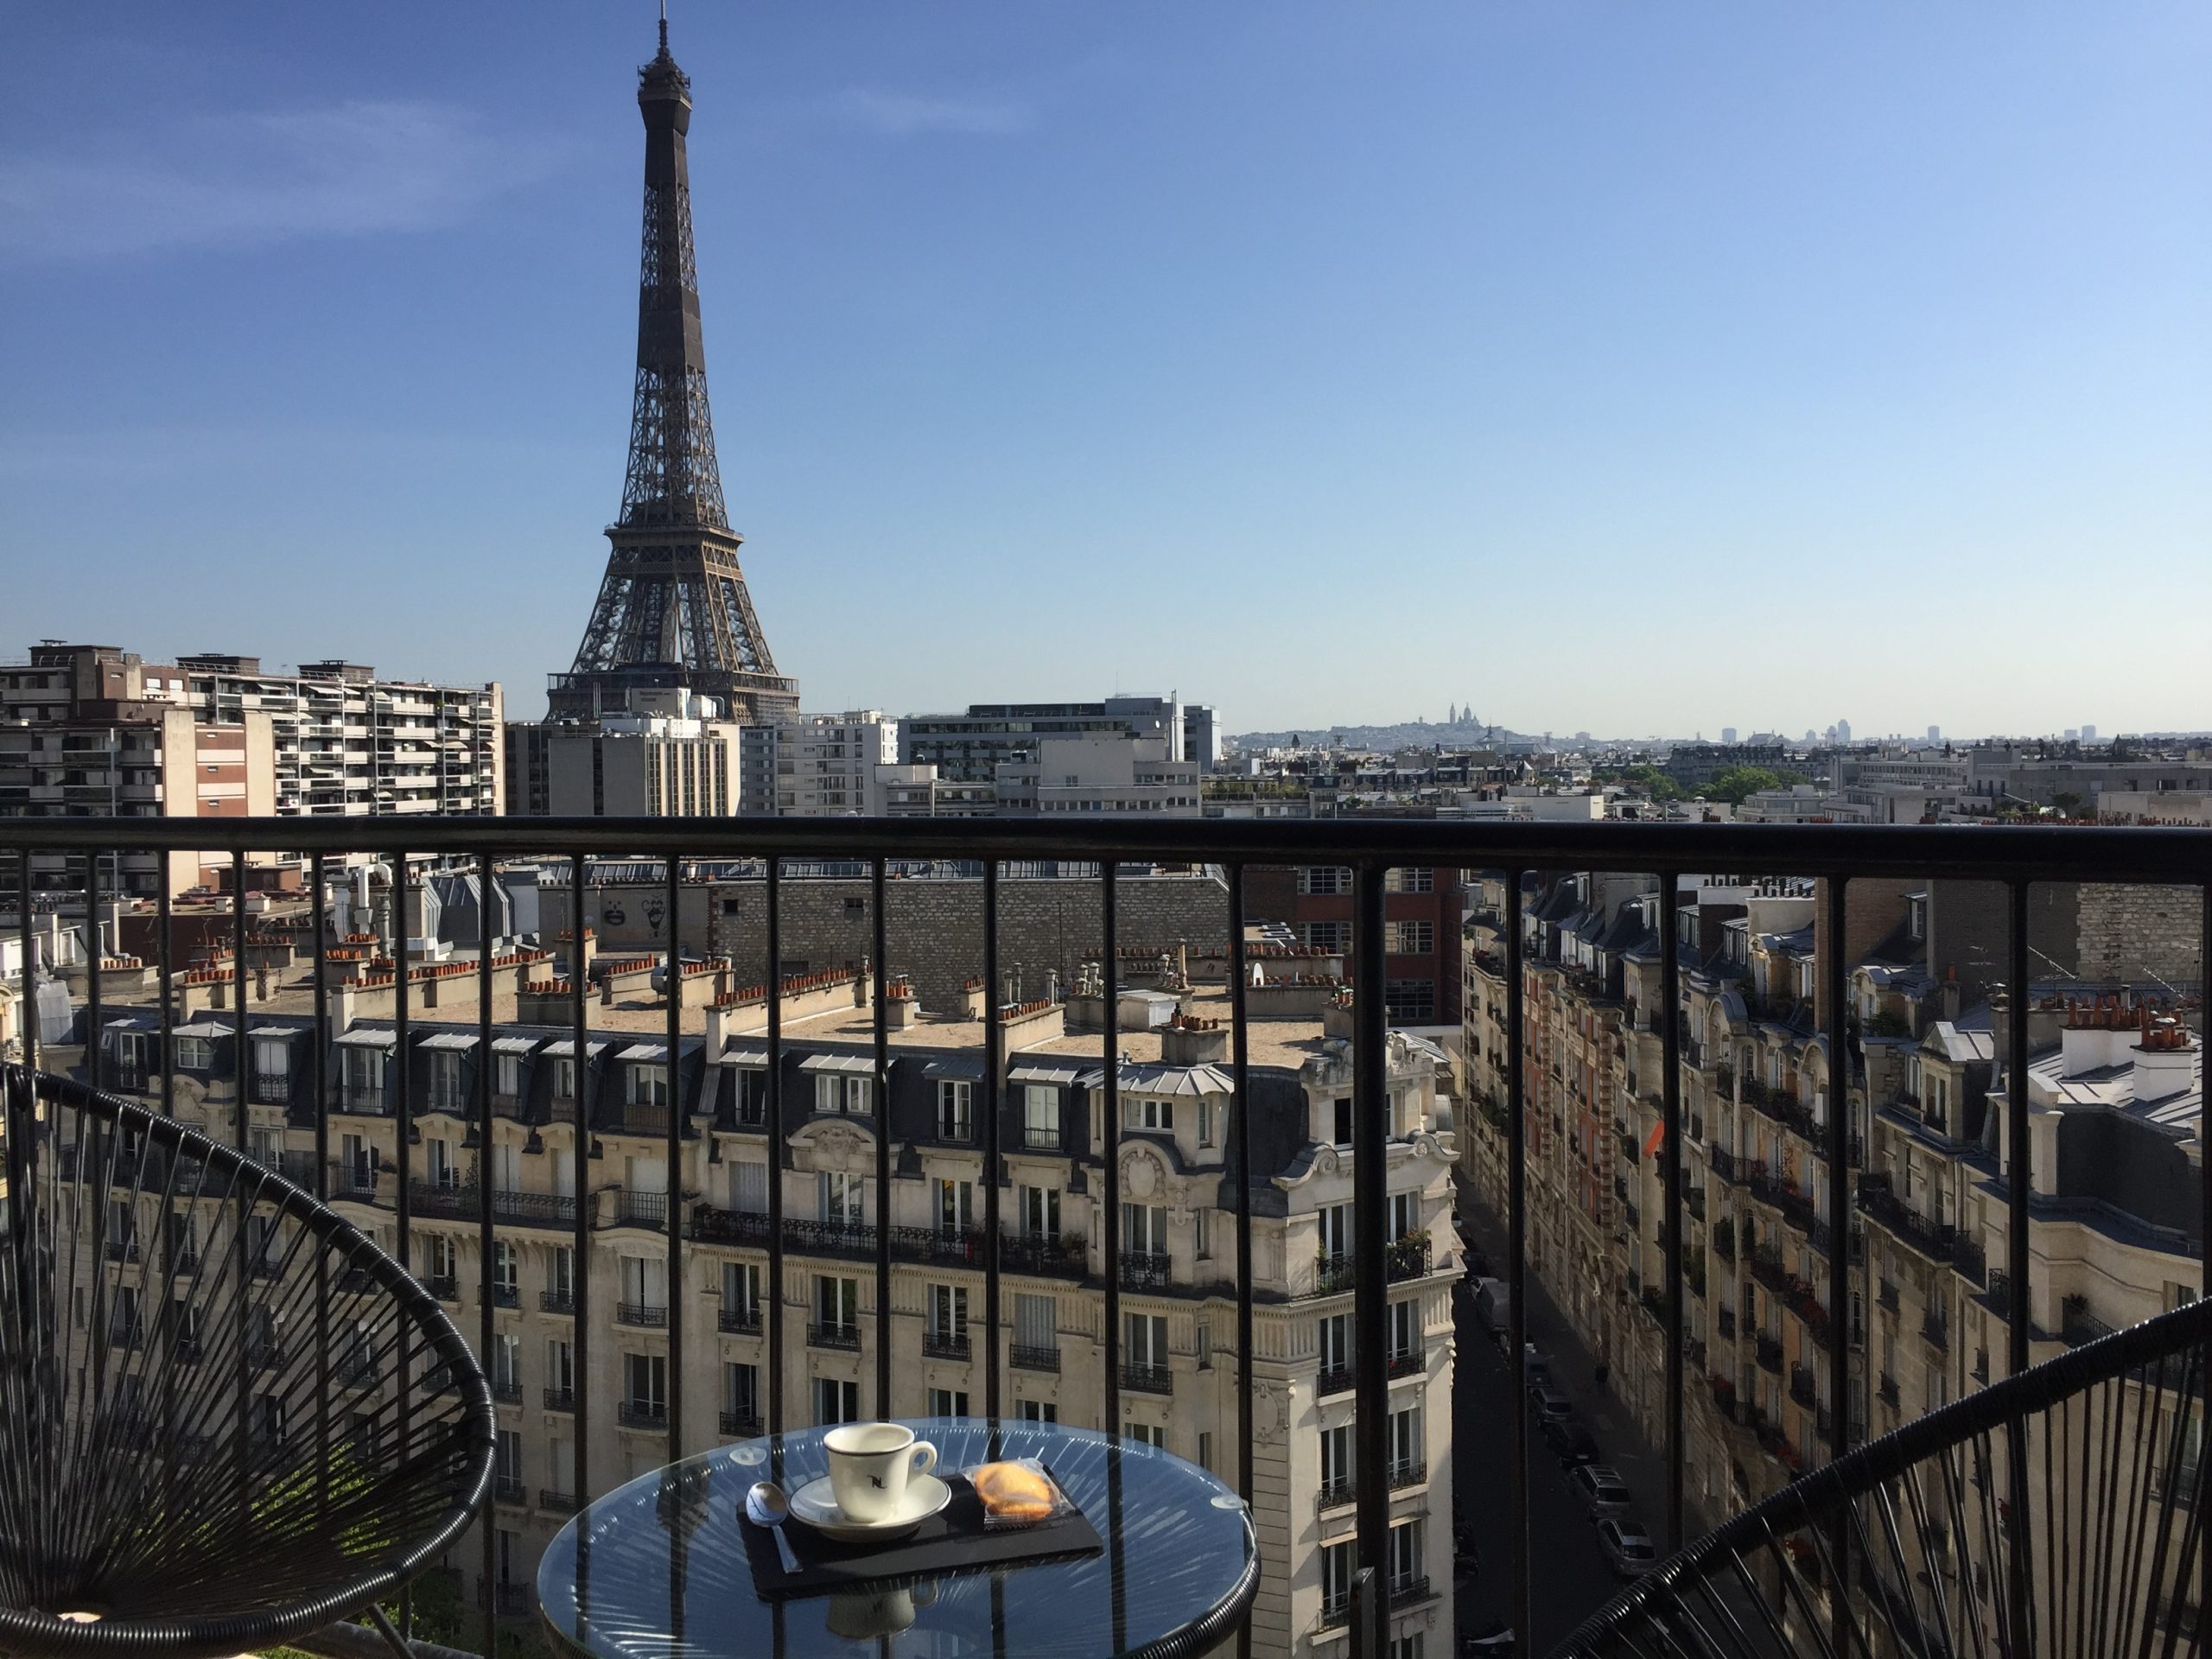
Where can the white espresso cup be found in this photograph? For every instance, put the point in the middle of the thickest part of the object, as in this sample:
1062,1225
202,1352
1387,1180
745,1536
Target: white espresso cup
870,1465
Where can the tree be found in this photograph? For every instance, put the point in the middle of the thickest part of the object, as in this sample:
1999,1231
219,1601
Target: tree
1733,783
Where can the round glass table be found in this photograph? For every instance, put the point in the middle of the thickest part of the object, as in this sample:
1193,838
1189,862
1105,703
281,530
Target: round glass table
658,1568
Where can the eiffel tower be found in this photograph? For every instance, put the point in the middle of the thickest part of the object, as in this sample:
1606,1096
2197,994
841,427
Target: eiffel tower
673,612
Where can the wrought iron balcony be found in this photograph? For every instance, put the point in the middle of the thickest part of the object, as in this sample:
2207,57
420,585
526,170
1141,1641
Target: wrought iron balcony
1024,1358
1146,1379
653,1316
743,1424
738,1321
2011,859
1146,1270
938,1344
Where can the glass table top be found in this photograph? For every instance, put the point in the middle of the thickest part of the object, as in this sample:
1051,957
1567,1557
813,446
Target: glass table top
656,1569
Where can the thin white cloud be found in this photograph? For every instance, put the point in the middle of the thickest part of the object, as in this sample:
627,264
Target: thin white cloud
354,168
900,115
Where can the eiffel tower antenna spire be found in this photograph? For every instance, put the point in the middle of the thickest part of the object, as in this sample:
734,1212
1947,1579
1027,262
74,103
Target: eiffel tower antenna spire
673,612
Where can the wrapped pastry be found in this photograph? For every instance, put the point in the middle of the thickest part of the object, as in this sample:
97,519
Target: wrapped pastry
1016,1494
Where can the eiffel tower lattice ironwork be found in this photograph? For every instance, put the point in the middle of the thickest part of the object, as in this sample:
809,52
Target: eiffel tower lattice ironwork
673,611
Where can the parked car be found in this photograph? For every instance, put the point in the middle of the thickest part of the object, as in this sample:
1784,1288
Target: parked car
1601,1489
1627,1546
1546,1398
1569,1442
1491,1303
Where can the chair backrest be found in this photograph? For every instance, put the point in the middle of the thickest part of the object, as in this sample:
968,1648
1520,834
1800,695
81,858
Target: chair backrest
2061,1512
227,1417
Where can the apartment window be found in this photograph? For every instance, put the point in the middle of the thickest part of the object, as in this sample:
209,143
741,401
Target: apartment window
1152,1434
956,1208
1335,1342
948,1402
1337,1448
1205,1122
1206,1450
1144,1339
1409,880
194,1053
836,1401
564,1079
1404,1555
1040,1212
560,1279
946,1313
748,1186
645,1377
645,1282
1148,1115
438,1158
1405,1441
1404,1214
855,1096
506,1360
1408,1646
1144,1229
1335,1227
1404,1326
1202,1232
1413,938
506,1274
1340,1123
440,1260
742,1389
742,1293
1324,881
1038,1411
1040,1115
841,1197
445,1081
1332,937
1338,1567
953,1102
510,1078
1036,1321
560,1365
837,1302
1411,1001
648,1085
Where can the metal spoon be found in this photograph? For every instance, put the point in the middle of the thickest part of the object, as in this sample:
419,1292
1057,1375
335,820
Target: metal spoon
766,1506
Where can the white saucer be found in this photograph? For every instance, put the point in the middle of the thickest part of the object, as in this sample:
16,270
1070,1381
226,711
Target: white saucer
813,1504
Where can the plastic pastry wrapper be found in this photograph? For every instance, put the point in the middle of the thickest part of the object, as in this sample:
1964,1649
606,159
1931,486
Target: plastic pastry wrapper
993,1522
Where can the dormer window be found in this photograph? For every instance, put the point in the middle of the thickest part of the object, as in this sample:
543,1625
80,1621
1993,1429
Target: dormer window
648,1085
1148,1115
1916,915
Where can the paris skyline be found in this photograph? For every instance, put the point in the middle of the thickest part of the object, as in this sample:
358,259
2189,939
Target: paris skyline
1787,342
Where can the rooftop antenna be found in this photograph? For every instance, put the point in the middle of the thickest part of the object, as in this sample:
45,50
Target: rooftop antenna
664,25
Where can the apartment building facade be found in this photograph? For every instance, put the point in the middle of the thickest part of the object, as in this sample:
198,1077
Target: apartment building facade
592,1130
2115,1092
1422,932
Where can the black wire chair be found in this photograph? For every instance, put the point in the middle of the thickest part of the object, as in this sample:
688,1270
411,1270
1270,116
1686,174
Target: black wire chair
2059,1513
227,1418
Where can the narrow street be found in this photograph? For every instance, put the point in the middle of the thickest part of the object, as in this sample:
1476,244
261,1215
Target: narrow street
1572,1578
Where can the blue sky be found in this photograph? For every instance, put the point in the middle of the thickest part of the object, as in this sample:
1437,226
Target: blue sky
1612,366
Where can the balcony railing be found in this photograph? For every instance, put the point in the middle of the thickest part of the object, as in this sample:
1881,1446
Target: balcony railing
642,1414
2011,859
833,1335
1146,1379
1146,1270
653,1316
1936,1243
1025,1358
738,1321
945,1344
744,1424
